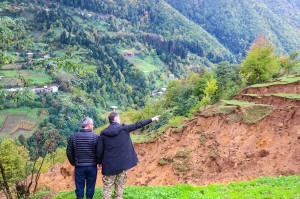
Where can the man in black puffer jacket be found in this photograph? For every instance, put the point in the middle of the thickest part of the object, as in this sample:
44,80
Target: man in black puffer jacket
116,153
81,152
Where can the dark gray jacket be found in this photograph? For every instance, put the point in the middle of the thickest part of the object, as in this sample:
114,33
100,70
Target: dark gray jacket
115,150
82,148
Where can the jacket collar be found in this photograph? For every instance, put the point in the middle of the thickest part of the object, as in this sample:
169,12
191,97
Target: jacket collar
85,130
114,123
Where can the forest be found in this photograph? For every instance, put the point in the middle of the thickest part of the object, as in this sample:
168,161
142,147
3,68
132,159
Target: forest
199,59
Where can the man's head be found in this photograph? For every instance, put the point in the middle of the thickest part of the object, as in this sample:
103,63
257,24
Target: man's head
87,123
114,117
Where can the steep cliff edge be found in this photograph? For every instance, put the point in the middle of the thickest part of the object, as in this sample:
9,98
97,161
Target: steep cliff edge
212,148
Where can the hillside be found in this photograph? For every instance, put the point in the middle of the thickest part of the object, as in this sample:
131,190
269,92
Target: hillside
236,23
68,59
127,49
122,59
216,148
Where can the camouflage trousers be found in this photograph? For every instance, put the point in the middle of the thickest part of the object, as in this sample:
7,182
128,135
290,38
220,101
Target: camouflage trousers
117,181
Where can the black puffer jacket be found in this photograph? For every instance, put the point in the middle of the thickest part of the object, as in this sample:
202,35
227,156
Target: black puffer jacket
115,150
82,147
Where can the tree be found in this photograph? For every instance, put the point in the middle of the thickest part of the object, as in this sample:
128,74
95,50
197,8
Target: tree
261,62
211,88
10,29
171,92
291,61
13,159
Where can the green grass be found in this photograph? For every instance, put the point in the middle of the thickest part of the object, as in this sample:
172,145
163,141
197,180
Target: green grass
8,73
256,112
11,77
285,95
225,109
138,138
251,113
264,187
38,77
144,65
129,50
278,81
29,113
296,69
237,102
251,95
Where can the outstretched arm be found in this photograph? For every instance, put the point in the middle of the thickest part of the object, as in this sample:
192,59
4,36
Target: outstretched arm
140,124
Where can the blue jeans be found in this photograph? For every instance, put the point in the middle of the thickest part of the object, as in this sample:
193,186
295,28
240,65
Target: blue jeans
88,176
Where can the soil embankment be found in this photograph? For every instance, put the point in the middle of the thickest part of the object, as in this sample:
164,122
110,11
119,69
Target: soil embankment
213,149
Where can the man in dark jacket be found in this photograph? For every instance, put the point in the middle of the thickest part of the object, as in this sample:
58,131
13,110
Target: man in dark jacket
81,152
116,153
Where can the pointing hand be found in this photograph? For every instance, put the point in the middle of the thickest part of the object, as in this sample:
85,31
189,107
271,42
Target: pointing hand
155,118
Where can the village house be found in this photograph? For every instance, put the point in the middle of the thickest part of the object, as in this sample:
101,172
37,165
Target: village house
163,89
113,108
29,54
46,56
12,90
17,54
54,89
45,89
129,54
171,76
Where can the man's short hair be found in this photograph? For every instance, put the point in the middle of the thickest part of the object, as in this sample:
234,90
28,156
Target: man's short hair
86,121
112,117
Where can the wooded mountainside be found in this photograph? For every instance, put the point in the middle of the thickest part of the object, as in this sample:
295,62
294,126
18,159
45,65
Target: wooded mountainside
235,23
128,52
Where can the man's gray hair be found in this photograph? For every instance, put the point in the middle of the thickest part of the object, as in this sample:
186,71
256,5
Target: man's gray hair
86,121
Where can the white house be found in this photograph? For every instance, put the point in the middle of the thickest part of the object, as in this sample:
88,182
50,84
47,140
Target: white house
54,89
171,76
113,108
29,54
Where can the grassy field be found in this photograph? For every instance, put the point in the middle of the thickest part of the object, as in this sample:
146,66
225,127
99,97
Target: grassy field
237,102
262,188
8,73
41,78
11,77
12,66
29,113
285,95
278,81
14,116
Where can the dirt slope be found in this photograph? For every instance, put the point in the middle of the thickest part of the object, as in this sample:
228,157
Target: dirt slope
212,149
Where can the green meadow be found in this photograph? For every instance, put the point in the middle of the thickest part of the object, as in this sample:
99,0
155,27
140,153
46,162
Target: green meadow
262,188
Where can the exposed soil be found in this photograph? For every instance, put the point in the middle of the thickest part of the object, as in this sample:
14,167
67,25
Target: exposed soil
211,149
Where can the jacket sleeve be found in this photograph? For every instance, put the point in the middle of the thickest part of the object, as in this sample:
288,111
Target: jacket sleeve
100,149
70,151
137,125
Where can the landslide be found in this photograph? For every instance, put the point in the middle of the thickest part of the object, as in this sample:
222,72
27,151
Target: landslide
211,148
